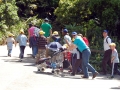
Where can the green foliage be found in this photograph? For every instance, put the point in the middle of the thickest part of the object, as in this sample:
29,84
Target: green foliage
68,11
107,11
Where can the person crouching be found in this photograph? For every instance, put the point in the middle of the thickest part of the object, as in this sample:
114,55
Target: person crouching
41,42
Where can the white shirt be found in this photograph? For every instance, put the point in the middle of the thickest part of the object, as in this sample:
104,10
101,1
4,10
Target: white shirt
105,44
68,38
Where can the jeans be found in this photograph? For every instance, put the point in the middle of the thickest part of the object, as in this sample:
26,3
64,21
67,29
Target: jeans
9,51
22,48
85,63
34,50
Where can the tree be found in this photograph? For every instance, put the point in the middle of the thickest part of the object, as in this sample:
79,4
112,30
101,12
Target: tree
72,11
41,8
8,15
107,11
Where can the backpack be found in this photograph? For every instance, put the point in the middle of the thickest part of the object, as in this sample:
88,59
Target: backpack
107,39
36,32
86,41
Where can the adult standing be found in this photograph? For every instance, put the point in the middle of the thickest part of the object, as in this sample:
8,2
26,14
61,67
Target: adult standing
84,49
67,38
32,40
107,52
46,27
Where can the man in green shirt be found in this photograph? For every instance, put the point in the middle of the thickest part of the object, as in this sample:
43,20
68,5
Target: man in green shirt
46,27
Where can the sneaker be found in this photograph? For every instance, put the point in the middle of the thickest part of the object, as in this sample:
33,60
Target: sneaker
72,74
94,75
20,60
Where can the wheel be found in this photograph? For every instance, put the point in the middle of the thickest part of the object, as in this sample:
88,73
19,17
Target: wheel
38,69
53,71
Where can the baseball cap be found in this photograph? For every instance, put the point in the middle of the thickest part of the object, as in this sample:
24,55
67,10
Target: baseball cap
65,30
105,31
46,19
74,33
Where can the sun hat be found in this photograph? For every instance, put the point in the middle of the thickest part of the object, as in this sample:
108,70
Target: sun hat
65,30
21,31
113,44
55,33
41,32
74,33
10,35
65,45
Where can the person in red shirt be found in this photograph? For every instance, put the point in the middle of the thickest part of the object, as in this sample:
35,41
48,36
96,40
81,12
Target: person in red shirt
85,39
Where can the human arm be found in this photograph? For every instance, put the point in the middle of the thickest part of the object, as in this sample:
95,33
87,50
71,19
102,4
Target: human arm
114,55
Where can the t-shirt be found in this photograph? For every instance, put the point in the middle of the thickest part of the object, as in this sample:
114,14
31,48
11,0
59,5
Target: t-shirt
68,38
105,44
115,54
46,27
80,44
10,41
31,30
41,42
22,39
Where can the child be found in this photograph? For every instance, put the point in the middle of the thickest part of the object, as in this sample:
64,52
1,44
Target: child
114,60
22,40
9,41
56,37
41,42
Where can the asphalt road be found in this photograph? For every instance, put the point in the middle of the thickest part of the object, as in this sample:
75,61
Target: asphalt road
15,75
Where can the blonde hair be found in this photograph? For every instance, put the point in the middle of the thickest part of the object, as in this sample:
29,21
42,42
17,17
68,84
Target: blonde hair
113,44
80,35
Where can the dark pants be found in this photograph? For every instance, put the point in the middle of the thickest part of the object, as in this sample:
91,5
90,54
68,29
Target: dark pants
77,64
22,48
106,60
73,59
115,69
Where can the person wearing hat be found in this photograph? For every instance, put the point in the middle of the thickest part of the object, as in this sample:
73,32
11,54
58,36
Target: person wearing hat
10,41
85,50
46,27
114,60
41,42
56,37
107,52
67,38
22,40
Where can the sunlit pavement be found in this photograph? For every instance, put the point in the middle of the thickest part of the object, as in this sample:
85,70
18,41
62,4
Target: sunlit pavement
15,75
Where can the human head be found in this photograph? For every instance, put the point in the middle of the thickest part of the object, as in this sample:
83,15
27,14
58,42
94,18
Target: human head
55,33
30,25
105,33
74,34
80,35
21,31
10,35
112,46
46,19
64,31
41,33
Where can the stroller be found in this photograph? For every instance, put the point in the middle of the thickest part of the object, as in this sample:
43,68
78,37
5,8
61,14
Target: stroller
55,61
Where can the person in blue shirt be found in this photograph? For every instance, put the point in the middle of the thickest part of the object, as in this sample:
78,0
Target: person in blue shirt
22,40
84,49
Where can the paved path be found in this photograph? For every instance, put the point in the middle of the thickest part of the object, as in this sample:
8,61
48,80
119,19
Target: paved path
16,75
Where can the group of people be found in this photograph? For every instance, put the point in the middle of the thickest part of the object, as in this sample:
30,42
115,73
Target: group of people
78,46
